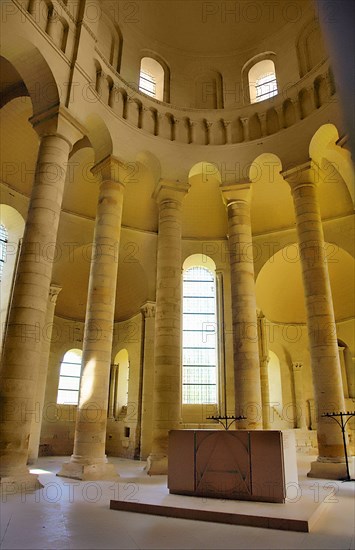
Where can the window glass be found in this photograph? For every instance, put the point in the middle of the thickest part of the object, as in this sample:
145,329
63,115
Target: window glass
69,379
199,337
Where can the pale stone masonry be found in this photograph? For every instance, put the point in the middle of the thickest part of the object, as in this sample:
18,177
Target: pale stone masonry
245,333
167,349
23,345
326,372
89,461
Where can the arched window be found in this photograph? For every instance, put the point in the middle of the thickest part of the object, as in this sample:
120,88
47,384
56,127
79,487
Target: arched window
262,81
69,379
199,373
151,78
3,242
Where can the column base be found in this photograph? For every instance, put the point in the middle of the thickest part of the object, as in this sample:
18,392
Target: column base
157,465
89,472
329,470
22,483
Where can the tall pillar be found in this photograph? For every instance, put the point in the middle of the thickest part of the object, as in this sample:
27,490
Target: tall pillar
245,335
301,420
264,371
344,376
167,349
42,376
326,373
23,342
112,404
89,461
148,311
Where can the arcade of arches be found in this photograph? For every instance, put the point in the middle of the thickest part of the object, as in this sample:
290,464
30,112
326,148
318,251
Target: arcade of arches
111,197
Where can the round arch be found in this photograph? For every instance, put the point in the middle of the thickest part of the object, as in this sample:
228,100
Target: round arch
32,67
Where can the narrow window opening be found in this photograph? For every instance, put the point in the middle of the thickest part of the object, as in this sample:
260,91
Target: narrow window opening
199,337
69,379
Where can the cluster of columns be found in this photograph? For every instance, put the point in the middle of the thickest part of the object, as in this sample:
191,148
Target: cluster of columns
23,349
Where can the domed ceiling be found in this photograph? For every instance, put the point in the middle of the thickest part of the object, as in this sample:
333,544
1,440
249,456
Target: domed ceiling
207,28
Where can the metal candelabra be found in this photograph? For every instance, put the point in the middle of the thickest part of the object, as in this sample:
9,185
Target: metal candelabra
342,425
226,421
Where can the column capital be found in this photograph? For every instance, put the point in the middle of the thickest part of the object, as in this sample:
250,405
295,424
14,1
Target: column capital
57,121
237,192
170,190
301,175
112,169
54,291
148,309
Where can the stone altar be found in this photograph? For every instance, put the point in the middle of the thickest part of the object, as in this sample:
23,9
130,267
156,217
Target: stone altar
238,464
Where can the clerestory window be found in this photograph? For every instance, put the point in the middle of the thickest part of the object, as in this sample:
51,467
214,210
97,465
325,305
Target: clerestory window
262,81
152,78
147,84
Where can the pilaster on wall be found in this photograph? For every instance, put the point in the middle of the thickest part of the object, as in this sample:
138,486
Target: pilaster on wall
33,448
148,312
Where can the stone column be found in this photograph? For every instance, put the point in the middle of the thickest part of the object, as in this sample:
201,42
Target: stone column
326,373
344,376
167,349
245,335
113,391
148,311
89,461
42,376
246,132
23,342
301,420
222,383
264,372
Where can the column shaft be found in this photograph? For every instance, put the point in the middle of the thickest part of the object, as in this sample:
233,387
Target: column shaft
148,311
326,373
167,349
33,447
264,370
245,334
23,344
88,460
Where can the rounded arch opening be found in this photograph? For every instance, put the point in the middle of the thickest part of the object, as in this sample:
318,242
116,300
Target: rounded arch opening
200,332
152,78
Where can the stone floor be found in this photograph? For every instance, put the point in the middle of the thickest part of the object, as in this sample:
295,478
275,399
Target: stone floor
68,514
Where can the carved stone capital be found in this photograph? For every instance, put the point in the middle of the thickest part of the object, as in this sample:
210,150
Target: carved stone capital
238,192
148,309
307,173
170,190
53,293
